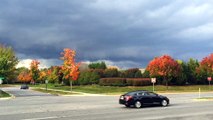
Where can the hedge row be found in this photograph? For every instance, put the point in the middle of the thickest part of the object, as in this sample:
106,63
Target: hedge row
125,81
138,81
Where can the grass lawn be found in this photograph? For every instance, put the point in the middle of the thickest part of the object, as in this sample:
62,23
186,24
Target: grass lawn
96,89
3,94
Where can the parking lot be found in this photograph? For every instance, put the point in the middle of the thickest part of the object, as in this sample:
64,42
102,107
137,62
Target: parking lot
31,105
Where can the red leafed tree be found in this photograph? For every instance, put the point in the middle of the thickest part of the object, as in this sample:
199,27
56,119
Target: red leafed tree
164,66
34,70
70,68
24,77
206,66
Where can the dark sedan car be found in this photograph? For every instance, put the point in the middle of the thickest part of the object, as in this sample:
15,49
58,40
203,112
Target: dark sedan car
24,86
142,98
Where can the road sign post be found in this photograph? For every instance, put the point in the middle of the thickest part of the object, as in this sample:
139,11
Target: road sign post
153,80
199,92
209,79
46,82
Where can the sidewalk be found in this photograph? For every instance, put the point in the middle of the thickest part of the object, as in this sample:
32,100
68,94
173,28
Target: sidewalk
75,92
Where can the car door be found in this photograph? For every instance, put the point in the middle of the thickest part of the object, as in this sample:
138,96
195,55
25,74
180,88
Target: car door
146,98
155,98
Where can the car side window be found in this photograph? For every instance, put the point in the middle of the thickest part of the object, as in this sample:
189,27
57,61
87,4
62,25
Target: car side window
152,94
145,93
140,94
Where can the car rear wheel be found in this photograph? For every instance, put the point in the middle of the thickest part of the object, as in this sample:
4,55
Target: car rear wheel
127,105
164,103
138,104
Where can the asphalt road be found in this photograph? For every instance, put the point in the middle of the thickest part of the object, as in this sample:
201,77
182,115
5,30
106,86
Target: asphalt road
31,105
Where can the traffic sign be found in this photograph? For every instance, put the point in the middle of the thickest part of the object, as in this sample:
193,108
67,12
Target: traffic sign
1,80
46,81
209,78
153,80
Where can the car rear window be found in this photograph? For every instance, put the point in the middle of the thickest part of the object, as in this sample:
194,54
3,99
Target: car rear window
133,93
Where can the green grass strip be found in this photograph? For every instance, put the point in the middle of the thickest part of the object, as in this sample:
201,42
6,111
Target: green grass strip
3,94
96,89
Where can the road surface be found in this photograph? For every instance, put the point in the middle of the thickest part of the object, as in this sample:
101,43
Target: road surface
31,105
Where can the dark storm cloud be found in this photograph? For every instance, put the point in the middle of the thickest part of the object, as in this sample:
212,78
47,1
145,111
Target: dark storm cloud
115,30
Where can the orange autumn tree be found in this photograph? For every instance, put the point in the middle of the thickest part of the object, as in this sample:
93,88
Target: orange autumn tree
54,74
34,71
164,66
42,76
207,64
70,68
24,77
206,68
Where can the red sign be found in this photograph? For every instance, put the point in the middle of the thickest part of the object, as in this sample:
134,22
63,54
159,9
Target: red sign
209,78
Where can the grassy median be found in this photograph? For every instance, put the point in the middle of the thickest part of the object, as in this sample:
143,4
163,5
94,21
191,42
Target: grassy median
3,94
96,89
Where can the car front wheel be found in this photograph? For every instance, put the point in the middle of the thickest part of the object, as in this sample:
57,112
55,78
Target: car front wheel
164,103
138,104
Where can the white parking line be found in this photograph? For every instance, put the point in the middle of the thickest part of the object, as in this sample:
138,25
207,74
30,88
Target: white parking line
44,118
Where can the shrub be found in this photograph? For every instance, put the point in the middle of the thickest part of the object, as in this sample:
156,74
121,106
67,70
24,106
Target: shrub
113,82
138,81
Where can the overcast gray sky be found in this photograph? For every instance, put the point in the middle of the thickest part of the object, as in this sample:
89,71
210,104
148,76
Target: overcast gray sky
127,33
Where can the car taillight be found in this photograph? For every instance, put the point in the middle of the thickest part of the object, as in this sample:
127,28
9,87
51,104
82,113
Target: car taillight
127,98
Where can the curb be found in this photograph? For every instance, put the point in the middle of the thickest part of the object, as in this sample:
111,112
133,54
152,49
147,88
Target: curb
202,100
77,93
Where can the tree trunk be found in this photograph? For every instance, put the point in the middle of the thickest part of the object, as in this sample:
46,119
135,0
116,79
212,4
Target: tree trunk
71,86
166,80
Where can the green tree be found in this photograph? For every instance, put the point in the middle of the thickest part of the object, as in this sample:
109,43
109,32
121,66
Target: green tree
54,74
131,73
88,77
112,72
34,71
182,77
191,73
97,65
146,74
8,61
138,74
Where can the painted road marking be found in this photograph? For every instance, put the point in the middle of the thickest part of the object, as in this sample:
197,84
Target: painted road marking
44,118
